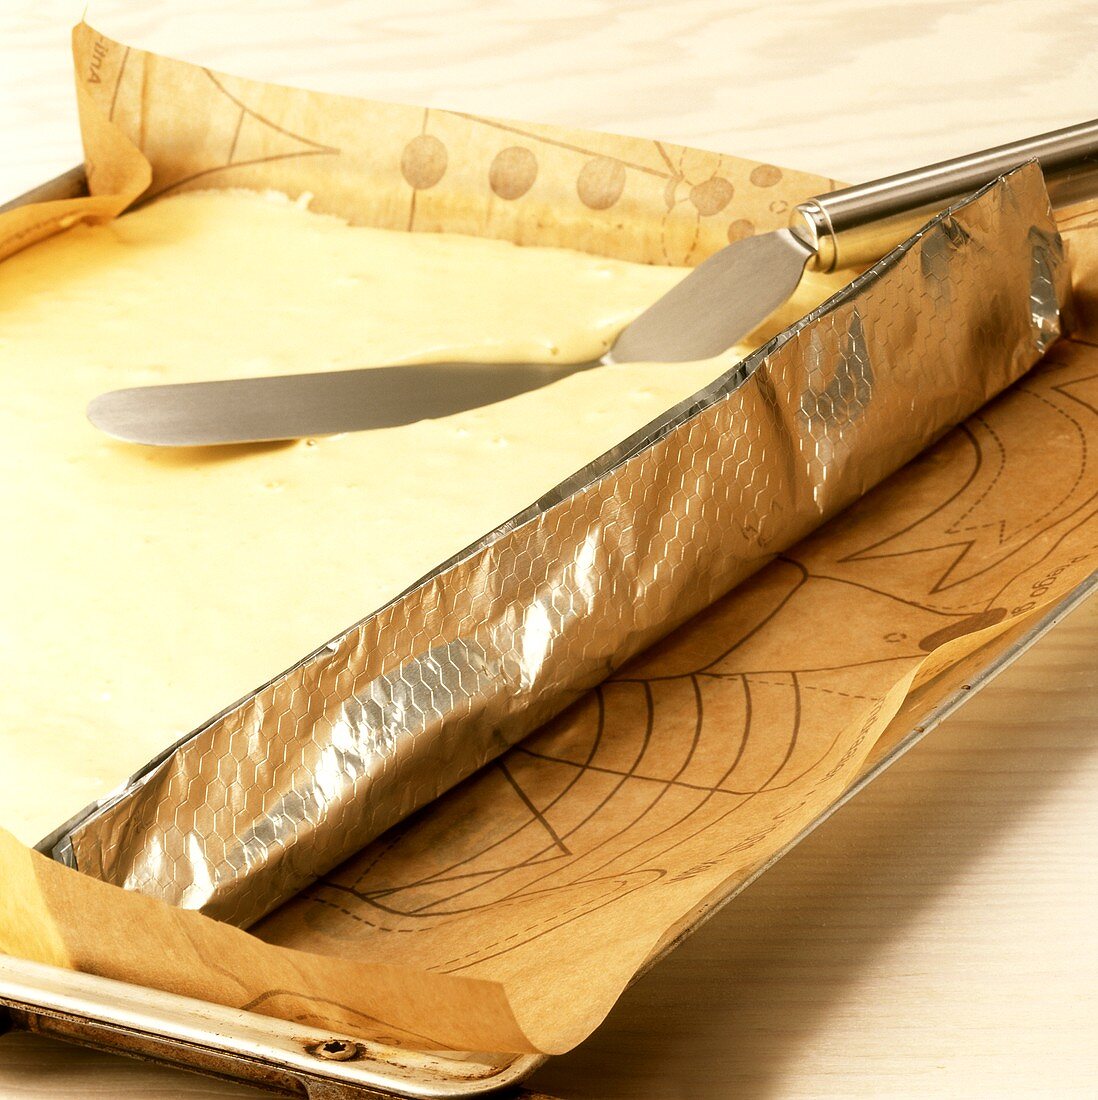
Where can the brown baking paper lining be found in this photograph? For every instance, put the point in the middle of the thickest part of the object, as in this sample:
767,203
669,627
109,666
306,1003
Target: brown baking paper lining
416,697
510,913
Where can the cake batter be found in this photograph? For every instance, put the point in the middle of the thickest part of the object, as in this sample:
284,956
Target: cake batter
144,589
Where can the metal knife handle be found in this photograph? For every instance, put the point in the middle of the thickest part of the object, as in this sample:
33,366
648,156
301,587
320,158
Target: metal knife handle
859,224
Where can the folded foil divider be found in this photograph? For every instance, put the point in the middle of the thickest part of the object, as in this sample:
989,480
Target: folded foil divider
288,782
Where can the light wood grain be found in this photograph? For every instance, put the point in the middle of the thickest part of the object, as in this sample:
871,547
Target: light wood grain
934,938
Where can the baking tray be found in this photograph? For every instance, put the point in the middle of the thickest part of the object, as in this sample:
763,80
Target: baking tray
288,1058
296,1061
446,675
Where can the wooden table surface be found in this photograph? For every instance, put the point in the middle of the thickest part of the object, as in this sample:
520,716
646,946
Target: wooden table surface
935,938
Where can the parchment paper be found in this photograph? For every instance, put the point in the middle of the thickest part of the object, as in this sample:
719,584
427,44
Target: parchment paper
509,915
416,696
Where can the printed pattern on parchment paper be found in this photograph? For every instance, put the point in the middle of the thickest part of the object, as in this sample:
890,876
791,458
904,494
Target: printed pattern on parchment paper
427,169
643,786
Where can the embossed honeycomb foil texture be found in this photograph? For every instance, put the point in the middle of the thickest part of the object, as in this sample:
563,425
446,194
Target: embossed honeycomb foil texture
303,773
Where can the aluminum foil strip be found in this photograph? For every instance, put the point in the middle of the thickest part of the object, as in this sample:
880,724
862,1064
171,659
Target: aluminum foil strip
284,785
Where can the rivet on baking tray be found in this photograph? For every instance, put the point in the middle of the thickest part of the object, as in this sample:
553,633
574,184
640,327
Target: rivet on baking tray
336,1050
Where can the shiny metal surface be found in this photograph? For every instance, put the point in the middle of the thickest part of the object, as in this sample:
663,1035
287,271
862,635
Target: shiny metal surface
290,1058
858,224
722,300
293,406
718,303
713,307
415,697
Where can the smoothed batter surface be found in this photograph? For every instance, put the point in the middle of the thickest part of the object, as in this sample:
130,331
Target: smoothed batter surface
142,590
